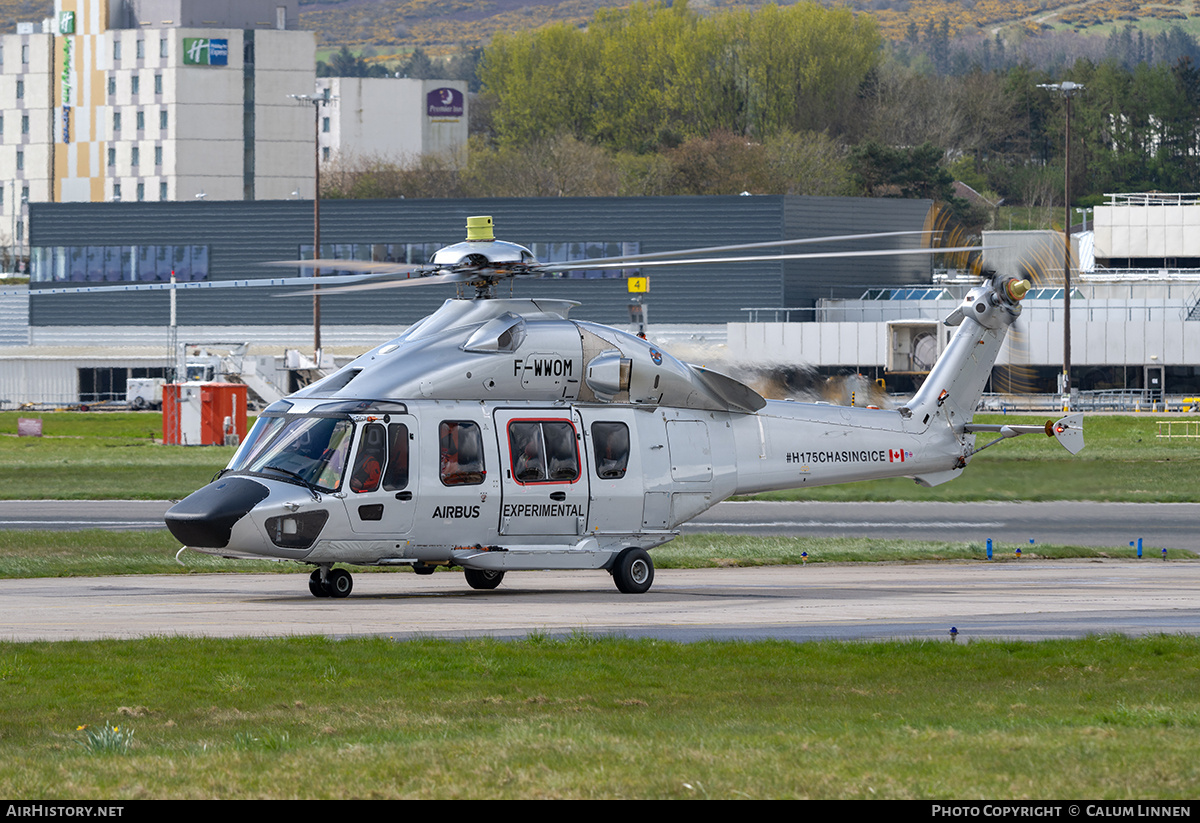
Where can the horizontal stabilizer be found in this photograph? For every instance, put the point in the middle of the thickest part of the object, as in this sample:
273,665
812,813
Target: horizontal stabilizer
1067,430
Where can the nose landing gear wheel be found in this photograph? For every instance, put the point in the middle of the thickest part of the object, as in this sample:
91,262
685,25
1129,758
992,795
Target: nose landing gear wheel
337,583
483,578
633,572
315,585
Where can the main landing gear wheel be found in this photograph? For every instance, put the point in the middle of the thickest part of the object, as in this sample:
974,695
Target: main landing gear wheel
483,578
421,568
633,572
337,583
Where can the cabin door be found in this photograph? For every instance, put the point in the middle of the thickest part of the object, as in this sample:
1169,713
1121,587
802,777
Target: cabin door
381,491
544,487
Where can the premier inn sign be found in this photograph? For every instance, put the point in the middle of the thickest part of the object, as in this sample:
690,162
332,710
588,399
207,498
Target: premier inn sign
444,102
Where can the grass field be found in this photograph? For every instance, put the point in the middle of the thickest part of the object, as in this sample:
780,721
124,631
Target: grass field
26,554
589,717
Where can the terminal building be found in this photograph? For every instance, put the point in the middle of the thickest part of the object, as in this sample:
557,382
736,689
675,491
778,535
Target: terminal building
1132,335
124,101
155,100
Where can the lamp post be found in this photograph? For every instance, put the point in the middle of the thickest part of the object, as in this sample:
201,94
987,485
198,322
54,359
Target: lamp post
316,101
1067,90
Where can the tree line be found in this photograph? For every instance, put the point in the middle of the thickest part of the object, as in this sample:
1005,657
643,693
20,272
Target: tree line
659,99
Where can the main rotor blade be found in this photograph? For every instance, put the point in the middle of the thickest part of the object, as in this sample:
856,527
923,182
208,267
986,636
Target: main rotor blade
192,285
766,244
551,267
448,277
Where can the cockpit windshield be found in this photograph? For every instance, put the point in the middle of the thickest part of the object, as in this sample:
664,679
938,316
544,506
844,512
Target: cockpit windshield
310,449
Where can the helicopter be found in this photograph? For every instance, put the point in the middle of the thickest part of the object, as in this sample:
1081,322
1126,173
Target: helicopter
498,434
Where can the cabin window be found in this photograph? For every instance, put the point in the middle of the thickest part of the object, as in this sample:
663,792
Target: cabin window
610,442
461,453
543,451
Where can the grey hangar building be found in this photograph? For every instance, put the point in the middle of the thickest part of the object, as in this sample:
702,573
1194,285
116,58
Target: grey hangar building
869,316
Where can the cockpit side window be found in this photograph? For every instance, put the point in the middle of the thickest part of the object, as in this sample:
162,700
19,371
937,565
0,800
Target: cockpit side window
369,462
610,441
461,453
396,476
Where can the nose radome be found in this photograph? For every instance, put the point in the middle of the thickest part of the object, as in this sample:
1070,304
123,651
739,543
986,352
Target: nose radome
205,518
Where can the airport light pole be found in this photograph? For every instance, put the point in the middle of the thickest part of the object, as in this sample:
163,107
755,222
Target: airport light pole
316,101
1067,90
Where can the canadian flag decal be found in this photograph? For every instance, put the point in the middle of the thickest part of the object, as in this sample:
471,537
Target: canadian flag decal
897,455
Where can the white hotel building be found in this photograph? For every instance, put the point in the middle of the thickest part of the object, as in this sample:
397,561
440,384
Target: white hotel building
154,100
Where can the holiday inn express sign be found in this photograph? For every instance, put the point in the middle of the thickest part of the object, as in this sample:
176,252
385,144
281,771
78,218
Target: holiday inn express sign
66,27
205,51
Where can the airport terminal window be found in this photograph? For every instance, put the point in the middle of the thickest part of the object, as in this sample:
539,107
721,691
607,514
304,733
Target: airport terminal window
578,251
420,253
610,442
461,453
109,383
411,253
128,264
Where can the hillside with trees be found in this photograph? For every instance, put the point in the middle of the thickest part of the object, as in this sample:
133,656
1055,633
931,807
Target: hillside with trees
803,99
879,97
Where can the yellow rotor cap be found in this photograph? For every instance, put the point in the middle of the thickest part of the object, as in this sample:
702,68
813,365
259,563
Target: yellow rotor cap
480,228
1017,289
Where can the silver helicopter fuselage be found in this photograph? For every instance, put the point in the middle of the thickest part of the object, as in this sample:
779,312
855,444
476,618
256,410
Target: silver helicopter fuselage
499,434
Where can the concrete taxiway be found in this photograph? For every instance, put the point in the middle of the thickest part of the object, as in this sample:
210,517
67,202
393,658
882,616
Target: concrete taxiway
1025,599
1074,523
